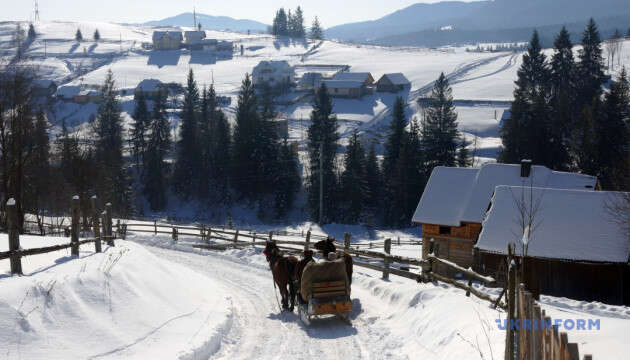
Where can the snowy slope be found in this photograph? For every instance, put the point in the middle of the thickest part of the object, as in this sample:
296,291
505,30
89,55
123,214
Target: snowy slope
122,303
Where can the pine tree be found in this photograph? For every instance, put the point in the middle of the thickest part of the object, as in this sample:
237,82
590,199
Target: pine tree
155,184
141,117
287,182
322,134
612,133
439,133
78,36
97,36
186,175
395,136
280,25
590,71
31,32
298,20
374,181
267,143
115,183
38,174
584,141
463,155
220,148
244,168
353,181
316,30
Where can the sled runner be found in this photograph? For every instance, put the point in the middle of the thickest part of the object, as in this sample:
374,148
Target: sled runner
325,290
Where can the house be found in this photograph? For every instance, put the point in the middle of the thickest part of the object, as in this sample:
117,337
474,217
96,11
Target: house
87,96
167,40
273,73
363,77
343,88
394,82
455,202
44,88
310,81
150,88
205,44
191,36
225,45
578,248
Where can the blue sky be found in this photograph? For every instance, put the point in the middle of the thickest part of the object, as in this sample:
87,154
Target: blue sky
330,12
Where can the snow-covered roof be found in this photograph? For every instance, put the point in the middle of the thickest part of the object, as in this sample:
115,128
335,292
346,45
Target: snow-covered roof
272,64
174,35
397,79
569,225
195,34
342,84
311,78
352,76
453,195
149,85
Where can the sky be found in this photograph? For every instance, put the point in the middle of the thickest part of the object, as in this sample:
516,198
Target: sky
330,12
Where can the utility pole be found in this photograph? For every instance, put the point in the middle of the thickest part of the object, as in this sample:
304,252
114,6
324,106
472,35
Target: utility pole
321,182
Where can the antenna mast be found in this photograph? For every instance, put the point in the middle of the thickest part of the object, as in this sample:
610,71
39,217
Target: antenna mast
36,18
195,17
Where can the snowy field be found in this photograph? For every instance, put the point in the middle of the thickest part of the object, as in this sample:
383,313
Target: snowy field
150,298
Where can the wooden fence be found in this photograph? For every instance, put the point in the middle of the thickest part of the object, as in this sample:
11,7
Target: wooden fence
16,253
530,333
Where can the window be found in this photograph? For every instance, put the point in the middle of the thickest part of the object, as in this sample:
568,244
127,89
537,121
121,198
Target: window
445,230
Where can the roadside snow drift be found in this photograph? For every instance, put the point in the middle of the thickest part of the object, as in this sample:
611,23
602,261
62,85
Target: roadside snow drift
122,303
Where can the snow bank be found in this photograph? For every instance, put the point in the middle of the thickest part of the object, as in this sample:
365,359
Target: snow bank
124,302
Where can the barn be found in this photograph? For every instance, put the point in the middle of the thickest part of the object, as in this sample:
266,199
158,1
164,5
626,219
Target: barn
394,82
342,88
577,248
455,200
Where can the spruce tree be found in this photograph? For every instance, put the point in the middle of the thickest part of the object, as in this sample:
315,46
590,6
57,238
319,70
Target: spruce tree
244,167
612,133
97,36
78,36
208,103
322,134
374,182
115,182
31,32
220,150
155,184
317,33
439,133
353,181
280,25
590,70
141,120
463,158
395,136
186,176
267,143
287,181
298,21
38,174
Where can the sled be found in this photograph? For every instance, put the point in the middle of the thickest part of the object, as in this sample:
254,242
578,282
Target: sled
325,297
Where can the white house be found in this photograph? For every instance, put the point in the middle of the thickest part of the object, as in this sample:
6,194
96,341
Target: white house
274,73
167,40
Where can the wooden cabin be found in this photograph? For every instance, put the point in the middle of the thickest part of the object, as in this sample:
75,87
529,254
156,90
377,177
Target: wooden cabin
393,82
346,89
578,248
455,200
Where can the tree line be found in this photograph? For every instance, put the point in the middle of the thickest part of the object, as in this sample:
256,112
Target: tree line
287,23
567,114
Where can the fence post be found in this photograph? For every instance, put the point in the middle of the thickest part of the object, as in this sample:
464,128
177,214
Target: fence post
236,236
307,244
509,338
270,236
14,237
118,228
96,225
346,241
399,241
174,233
108,216
74,232
388,249
155,227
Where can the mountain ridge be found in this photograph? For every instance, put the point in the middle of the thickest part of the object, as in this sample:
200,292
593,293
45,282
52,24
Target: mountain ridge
210,22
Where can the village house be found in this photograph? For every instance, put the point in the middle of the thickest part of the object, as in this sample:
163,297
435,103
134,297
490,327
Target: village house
347,89
274,73
224,46
577,249
394,82
455,200
365,78
150,88
167,40
190,36
310,81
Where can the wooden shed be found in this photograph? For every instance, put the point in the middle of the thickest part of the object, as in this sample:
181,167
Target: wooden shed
394,82
455,201
578,249
342,88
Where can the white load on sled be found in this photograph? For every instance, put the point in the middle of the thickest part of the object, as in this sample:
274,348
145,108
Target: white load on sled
325,290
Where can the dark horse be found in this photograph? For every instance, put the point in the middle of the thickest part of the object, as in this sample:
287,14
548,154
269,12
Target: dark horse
328,246
282,267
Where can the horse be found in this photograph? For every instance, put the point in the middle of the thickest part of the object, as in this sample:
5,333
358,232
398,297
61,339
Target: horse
282,267
328,246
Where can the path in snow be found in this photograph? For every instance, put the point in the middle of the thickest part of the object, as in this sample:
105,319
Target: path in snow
260,331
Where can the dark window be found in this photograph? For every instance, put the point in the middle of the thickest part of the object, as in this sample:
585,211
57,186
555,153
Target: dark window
445,230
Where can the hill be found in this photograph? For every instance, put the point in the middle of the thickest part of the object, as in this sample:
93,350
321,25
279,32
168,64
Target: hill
210,22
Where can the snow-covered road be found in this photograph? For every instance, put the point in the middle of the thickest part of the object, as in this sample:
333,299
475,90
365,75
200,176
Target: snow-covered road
258,329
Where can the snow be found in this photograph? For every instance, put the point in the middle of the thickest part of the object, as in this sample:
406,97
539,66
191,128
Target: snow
569,225
122,303
11,202
455,195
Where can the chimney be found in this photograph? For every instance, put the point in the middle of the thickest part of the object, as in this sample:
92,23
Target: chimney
526,168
